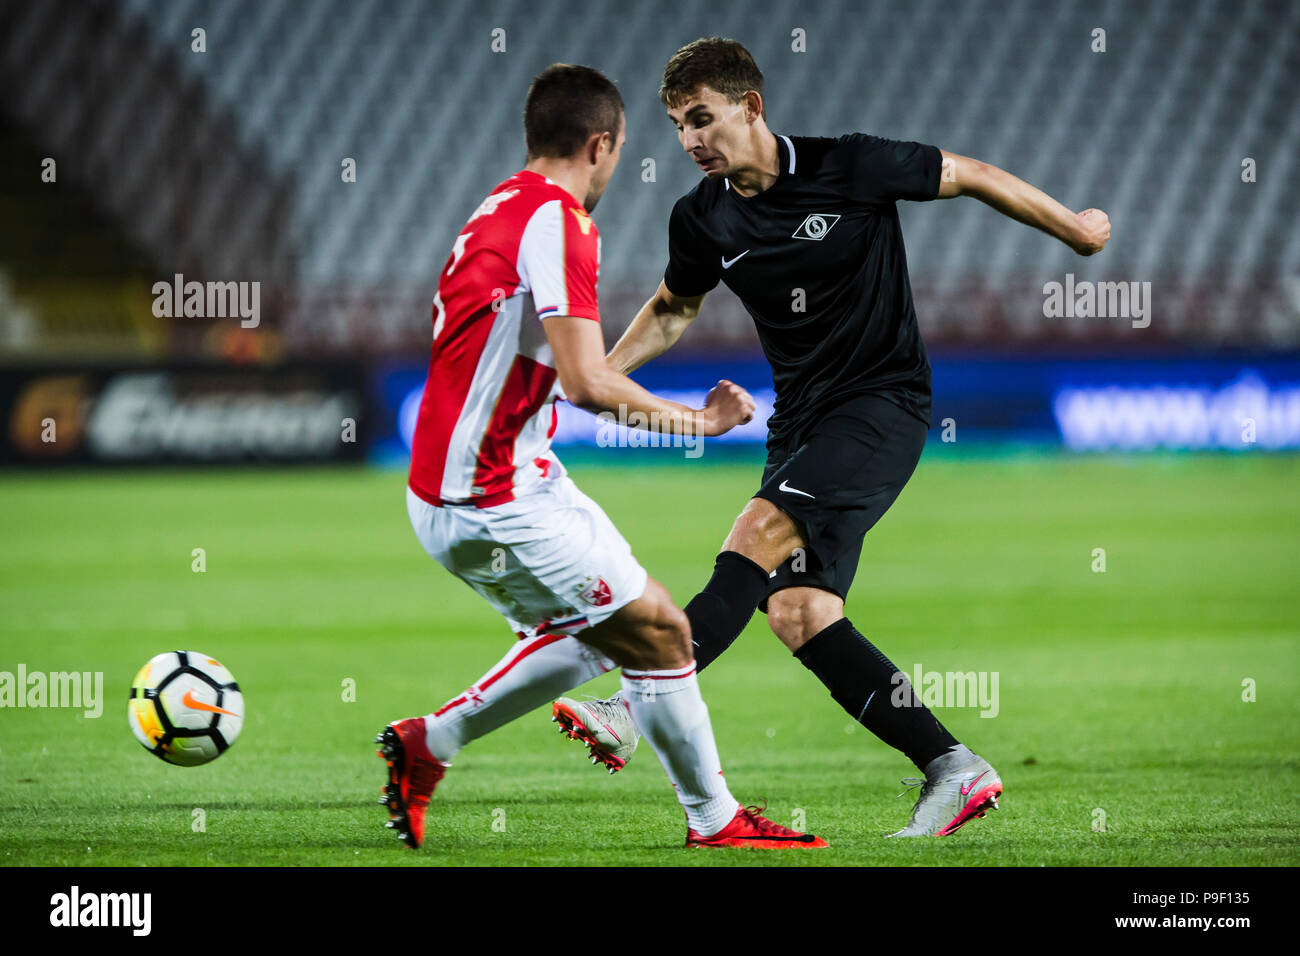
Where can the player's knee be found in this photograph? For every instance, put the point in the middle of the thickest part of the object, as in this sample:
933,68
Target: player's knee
797,615
661,638
669,638
762,527
787,619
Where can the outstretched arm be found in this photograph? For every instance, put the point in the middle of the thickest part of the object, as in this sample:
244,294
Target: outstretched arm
656,327
1085,232
588,382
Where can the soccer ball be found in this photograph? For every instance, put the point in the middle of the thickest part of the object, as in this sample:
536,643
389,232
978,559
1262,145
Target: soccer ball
185,708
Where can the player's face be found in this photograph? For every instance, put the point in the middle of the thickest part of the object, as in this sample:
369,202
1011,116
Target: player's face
714,132
606,160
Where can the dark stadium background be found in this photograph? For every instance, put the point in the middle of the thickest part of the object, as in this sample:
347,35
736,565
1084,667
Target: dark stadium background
227,165
128,439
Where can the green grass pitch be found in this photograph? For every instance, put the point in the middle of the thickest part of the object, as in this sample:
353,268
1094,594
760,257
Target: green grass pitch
1120,693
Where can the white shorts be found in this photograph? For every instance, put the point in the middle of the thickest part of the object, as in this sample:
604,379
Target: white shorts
551,562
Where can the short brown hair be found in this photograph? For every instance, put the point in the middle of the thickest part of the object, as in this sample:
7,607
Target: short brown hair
716,62
566,105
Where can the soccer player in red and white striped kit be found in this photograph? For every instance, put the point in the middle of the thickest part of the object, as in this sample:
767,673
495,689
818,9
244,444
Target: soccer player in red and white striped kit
491,502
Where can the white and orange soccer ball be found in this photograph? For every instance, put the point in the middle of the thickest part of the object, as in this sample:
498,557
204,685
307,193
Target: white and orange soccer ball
185,708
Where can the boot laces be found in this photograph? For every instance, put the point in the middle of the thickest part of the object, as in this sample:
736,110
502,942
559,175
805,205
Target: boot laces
911,783
762,824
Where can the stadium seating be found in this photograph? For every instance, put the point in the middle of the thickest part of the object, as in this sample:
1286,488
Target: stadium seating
1154,130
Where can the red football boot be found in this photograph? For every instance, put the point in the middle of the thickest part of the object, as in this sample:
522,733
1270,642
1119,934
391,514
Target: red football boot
749,829
413,773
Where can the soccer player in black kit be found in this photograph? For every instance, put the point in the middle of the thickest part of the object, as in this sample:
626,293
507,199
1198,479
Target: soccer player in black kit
805,231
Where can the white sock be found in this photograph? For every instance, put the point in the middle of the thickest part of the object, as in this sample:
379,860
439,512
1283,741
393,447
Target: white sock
535,671
668,710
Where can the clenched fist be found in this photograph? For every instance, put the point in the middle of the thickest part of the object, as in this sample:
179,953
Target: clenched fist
1093,229
726,406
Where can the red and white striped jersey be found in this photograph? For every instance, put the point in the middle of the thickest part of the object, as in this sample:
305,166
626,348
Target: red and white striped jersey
483,436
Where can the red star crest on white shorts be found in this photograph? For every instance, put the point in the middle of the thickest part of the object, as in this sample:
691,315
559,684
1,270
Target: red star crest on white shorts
597,594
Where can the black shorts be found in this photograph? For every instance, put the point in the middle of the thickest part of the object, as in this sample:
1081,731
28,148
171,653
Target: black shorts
836,478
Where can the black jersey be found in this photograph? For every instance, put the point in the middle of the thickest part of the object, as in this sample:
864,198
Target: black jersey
818,261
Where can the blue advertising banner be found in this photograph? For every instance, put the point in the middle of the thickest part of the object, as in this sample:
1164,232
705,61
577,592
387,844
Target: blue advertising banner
1131,403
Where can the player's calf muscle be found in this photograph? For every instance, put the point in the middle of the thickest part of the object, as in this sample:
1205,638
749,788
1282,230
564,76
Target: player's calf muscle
764,533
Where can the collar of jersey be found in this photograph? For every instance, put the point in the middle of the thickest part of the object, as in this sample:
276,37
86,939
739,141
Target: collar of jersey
785,166
535,176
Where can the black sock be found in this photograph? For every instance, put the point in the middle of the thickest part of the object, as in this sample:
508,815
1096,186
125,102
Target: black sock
863,682
720,612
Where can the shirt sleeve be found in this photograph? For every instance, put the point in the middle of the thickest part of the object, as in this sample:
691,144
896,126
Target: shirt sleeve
884,170
559,261
693,269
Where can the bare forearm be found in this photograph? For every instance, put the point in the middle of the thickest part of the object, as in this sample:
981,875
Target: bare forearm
644,339
589,382
1085,232
616,394
656,328
1017,199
